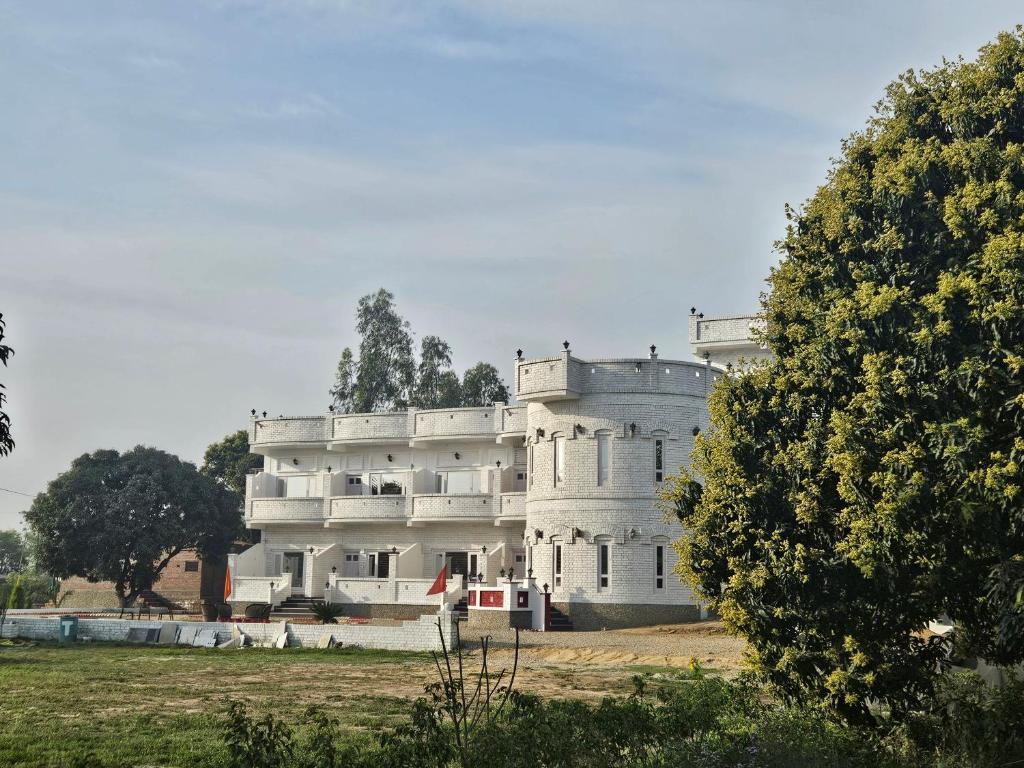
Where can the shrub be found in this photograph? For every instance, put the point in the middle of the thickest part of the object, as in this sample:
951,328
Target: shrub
327,613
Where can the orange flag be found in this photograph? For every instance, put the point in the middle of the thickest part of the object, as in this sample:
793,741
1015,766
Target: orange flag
227,582
440,583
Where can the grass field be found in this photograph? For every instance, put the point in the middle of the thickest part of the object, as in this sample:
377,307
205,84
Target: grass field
160,706
157,706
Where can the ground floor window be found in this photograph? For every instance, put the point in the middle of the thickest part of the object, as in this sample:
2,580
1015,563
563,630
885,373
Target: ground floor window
557,566
659,566
603,564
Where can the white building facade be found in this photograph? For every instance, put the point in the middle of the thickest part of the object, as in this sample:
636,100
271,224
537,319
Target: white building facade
550,501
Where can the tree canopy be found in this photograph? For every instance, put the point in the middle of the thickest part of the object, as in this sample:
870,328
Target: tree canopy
437,385
122,517
870,478
481,385
13,554
229,461
386,377
6,441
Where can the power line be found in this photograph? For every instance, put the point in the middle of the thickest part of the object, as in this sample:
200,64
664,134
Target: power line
19,493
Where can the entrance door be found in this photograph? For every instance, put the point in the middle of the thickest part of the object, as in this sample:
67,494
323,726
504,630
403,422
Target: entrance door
293,563
351,568
457,562
383,565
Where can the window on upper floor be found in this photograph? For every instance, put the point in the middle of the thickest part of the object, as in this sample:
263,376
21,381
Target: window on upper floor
466,481
604,456
659,460
558,456
191,566
387,484
529,466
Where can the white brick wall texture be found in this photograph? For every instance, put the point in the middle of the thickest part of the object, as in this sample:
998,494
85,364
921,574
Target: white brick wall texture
417,635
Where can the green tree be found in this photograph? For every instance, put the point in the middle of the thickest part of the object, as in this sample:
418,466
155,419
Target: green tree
16,597
386,370
13,554
122,517
229,461
481,385
870,477
6,441
343,392
437,385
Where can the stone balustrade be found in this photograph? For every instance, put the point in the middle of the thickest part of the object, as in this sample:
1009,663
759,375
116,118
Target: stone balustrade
368,508
513,505
285,510
444,507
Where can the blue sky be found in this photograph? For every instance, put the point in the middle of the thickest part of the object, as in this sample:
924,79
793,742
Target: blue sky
193,195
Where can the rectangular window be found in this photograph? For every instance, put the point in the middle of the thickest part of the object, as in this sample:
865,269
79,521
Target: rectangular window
191,566
472,566
558,565
354,485
529,467
559,460
458,482
659,460
659,566
603,457
602,566
387,484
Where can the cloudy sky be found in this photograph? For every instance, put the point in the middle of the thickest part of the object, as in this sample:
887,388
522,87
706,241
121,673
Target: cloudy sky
193,195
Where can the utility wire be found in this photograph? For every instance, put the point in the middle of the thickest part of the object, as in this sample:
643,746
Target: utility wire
19,493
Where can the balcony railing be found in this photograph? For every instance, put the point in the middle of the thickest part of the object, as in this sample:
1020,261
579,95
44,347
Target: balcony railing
513,505
368,508
452,507
454,423
370,427
301,429
285,510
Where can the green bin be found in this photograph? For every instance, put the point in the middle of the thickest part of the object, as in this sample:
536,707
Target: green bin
67,629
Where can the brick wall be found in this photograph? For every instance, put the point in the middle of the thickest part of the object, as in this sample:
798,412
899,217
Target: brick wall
176,583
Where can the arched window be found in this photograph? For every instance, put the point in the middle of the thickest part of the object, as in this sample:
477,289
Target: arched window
659,455
660,562
604,455
604,562
558,455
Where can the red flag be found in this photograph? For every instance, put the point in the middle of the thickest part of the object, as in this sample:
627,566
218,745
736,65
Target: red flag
227,582
440,583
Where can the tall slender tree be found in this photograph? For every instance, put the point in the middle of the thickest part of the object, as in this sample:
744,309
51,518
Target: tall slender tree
6,441
343,392
437,385
482,385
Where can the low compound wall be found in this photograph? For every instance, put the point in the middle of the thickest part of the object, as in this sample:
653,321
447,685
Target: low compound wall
419,635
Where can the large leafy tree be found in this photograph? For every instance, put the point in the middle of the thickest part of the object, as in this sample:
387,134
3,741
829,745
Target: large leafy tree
382,379
481,385
437,385
13,554
870,478
122,517
229,461
6,441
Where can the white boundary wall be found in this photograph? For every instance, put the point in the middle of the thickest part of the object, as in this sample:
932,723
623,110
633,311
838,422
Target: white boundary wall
418,635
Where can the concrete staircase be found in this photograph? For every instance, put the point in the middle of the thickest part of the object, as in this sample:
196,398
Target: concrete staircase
559,621
461,610
295,607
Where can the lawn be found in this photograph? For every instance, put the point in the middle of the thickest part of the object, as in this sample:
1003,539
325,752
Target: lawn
164,706
159,706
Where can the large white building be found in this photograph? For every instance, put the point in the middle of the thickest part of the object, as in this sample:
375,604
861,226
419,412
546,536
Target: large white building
550,501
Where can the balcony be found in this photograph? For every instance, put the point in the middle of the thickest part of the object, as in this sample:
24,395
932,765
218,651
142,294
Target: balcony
453,424
370,428
510,423
547,379
288,431
284,510
513,506
363,509
433,506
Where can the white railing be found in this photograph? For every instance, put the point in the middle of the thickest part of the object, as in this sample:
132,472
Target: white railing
443,506
286,509
368,508
390,591
260,589
513,504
